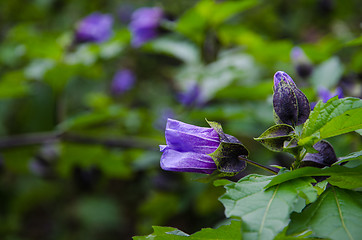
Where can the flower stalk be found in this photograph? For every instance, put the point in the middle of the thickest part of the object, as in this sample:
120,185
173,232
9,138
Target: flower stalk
269,169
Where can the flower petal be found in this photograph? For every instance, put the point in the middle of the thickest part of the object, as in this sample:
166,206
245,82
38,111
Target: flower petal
172,160
189,138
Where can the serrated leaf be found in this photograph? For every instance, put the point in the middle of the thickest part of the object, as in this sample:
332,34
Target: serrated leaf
335,215
312,171
225,232
274,137
335,117
264,213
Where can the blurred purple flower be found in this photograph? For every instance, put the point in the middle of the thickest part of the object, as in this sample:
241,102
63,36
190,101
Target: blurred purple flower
96,27
162,120
301,62
290,104
191,97
188,147
324,94
144,25
123,81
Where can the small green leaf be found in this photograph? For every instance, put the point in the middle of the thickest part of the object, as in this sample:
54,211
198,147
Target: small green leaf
335,215
333,118
264,213
274,138
349,157
327,74
312,171
224,232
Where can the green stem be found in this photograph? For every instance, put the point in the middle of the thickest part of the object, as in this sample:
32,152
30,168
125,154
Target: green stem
258,165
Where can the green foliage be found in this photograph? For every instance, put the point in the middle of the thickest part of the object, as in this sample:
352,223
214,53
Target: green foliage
264,213
333,118
335,215
336,172
225,232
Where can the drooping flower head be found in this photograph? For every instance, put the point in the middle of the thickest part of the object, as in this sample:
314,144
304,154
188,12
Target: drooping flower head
96,27
188,147
291,106
123,81
144,25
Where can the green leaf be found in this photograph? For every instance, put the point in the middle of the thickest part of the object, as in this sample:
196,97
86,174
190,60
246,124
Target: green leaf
349,157
336,171
13,85
333,118
327,74
225,232
335,215
274,138
264,213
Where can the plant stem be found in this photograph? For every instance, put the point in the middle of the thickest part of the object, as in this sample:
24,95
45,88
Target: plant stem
269,169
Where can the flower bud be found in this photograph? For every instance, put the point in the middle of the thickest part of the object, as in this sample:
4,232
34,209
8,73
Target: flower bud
96,27
291,106
325,156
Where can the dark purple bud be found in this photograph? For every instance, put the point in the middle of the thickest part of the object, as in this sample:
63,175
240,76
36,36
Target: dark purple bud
123,81
144,25
188,147
325,156
291,106
96,27
191,97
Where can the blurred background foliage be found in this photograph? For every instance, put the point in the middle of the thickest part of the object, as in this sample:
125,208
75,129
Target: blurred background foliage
80,160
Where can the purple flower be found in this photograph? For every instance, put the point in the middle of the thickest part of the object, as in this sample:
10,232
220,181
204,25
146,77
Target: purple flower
324,94
123,81
188,147
191,97
301,62
96,27
144,25
291,106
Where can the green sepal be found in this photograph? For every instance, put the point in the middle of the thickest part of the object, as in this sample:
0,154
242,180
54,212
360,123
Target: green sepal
274,137
292,146
226,155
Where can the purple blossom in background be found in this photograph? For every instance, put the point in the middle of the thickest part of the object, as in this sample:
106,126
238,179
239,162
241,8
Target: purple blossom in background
144,25
187,148
191,97
301,62
123,81
96,27
164,116
324,94
290,104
